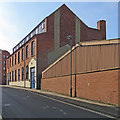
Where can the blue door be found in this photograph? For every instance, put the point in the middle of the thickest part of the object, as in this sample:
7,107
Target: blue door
32,72
7,79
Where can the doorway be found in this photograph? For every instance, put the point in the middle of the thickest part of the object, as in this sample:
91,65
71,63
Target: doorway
32,77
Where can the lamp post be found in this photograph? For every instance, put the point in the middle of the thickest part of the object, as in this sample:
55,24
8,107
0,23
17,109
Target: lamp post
70,38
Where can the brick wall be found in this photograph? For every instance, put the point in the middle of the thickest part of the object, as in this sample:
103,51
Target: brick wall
88,34
23,63
45,44
99,86
67,27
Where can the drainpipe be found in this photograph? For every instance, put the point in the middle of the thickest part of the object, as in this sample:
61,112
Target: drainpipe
70,38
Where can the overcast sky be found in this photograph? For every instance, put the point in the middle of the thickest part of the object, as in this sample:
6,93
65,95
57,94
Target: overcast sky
17,19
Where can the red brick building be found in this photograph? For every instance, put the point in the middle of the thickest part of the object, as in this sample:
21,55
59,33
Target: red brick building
3,56
46,43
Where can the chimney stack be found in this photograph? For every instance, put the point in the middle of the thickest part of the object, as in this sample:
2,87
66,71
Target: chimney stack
101,25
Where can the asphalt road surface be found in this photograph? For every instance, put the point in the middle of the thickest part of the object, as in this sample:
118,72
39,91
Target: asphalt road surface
18,103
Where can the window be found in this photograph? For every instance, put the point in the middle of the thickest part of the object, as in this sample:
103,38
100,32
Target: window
36,30
4,62
15,58
27,72
12,75
27,38
42,25
20,44
23,42
7,56
15,75
22,73
4,68
22,54
19,57
18,74
27,51
3,56
12,60
32,48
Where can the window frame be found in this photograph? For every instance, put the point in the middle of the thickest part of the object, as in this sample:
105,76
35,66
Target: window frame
18,57
27,51
12,76
27,73
22,54
15,59
15,75
18,74
12,60
22,73
32,48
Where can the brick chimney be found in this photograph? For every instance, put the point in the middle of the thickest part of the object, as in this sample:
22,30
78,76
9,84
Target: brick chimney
101,25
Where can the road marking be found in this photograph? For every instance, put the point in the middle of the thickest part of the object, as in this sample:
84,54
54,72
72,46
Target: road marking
86,109
0,117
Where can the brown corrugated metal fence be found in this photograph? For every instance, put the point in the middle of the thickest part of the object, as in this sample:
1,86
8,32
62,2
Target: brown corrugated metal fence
88,59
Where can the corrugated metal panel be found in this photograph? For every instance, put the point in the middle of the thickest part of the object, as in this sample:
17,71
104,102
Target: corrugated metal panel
119,55
95,52
106,56
78,54
64,66
73,62
54,70
82,60
98,57
58,69
109,57
68,64
101,57
112,56
88,58
116,56
49,73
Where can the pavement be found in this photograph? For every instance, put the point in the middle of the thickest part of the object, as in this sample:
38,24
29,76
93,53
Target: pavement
108,111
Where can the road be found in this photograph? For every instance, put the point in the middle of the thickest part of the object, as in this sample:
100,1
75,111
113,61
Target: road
18,103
